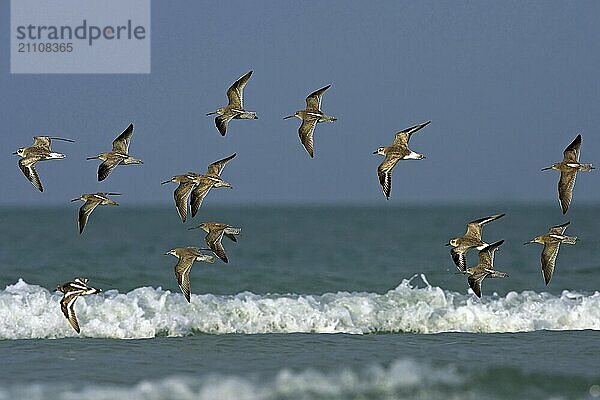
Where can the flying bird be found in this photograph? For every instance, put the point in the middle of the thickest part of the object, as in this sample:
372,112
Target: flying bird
187,256
118,156
485,268
471,239
235,108
310,117
568,168
91,201
72,290
215,232
551,241
197,186
397,151
39,151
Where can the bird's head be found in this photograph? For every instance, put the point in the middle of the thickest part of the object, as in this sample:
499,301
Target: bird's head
537,239
296,114
203,226
380,150
171,253
553,166
452,242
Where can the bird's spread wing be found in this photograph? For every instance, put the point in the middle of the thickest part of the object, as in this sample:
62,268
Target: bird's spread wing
42,142
559,229
27,165
181,196
486,255
121,143
313,101
474,230
221,122
84,212
235,94
306,135
459,259
549,260
182,272
216,167
475,227
66,305
475,281
106,167
401,138
198,195
566,183
213,240
571,153
384,171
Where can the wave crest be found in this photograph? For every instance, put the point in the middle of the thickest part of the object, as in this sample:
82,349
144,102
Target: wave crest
30,311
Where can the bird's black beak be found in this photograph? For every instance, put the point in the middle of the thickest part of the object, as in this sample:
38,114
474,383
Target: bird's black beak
74,200
375,152
447,244
288,117
63,139
546,169
195,227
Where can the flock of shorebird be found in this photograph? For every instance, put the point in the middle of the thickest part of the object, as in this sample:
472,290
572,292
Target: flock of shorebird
194,187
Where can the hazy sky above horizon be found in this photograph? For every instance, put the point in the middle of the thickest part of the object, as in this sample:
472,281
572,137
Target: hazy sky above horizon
507,86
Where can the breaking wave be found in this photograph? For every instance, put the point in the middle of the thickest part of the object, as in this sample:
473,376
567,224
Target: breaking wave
30,311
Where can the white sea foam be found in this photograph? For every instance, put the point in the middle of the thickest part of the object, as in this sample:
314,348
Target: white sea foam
30,311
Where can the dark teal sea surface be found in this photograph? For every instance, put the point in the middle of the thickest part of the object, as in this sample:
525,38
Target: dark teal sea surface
331,302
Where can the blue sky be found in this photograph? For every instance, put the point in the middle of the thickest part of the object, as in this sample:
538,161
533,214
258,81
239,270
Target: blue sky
507,85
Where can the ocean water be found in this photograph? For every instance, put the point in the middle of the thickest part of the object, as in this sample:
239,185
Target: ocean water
315,303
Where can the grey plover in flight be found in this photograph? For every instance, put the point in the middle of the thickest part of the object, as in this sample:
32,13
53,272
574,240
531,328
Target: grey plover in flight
471,239
397,151
215,232
39,151
235,107
310,117
71,291
187,256
568,168
197,186
551,241
485,268
118,156
91,201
